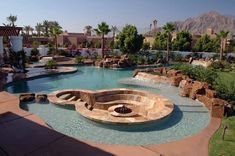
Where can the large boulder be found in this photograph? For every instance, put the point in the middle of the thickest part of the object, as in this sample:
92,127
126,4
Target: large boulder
175,80
114,66
218,107
215,105
185,87
27,97
211,93
41,98
205,100
99,63
173,72
228,109
198,88
136,71
164,71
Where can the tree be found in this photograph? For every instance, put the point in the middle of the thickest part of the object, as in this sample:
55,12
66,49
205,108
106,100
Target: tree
206,44
114,29
168,28
129,41
46,26
183,41
88,30
55,31
12,19
27,29
146,46
31,30
39,29
160,41
222,35
102,30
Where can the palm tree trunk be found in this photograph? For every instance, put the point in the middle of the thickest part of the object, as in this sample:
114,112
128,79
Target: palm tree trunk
113,36
168,49
102,46
221,50
56,45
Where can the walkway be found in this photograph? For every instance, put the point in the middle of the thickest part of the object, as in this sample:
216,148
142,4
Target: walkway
23,133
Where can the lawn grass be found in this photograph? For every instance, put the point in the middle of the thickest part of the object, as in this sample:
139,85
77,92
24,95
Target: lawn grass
226,147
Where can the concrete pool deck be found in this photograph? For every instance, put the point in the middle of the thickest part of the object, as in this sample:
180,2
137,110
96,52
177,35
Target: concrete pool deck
23,133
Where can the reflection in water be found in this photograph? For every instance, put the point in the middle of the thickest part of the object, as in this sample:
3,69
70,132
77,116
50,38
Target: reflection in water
21,87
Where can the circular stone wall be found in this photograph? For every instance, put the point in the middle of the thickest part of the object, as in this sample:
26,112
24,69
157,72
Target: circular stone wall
101,105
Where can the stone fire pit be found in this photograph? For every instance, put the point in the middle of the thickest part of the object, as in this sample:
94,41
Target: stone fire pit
122,111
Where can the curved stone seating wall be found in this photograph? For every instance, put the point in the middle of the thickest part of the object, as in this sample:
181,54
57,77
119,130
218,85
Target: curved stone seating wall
96,105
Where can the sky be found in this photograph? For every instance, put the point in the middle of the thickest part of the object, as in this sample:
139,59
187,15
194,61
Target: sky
73,15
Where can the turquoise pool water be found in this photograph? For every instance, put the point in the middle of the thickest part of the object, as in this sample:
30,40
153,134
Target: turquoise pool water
188,118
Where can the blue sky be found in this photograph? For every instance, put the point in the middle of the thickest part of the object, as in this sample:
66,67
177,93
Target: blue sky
73,15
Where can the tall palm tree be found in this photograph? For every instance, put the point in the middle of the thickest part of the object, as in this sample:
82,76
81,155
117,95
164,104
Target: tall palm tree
88,30
222,35
46,25
168,28
102,30
114,29
55,31
150,29
39,28
12,19
27,29
31,30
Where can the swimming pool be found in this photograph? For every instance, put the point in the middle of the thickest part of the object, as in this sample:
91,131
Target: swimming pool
188,118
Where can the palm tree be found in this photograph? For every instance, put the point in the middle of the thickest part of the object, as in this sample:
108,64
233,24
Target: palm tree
55,31
88,30
39,29
46,25
222,35
150,29
168,28
114,29
12,19
31,30
103,29
27,29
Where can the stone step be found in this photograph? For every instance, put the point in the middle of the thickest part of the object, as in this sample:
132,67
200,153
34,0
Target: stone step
66,96
79,100
73,98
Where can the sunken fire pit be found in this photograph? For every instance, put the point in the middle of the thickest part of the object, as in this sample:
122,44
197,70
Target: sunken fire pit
123,110
115,106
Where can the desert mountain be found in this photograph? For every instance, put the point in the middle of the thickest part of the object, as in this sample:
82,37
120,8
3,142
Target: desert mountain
211,19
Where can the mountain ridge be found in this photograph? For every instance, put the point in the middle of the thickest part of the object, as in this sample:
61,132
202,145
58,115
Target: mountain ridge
212,19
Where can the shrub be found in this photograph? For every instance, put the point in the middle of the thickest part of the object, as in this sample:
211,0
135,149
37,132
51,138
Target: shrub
133,59
221,66
64,53
159,55
225,86
34,52
177,57
51,64
78,59
198,73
